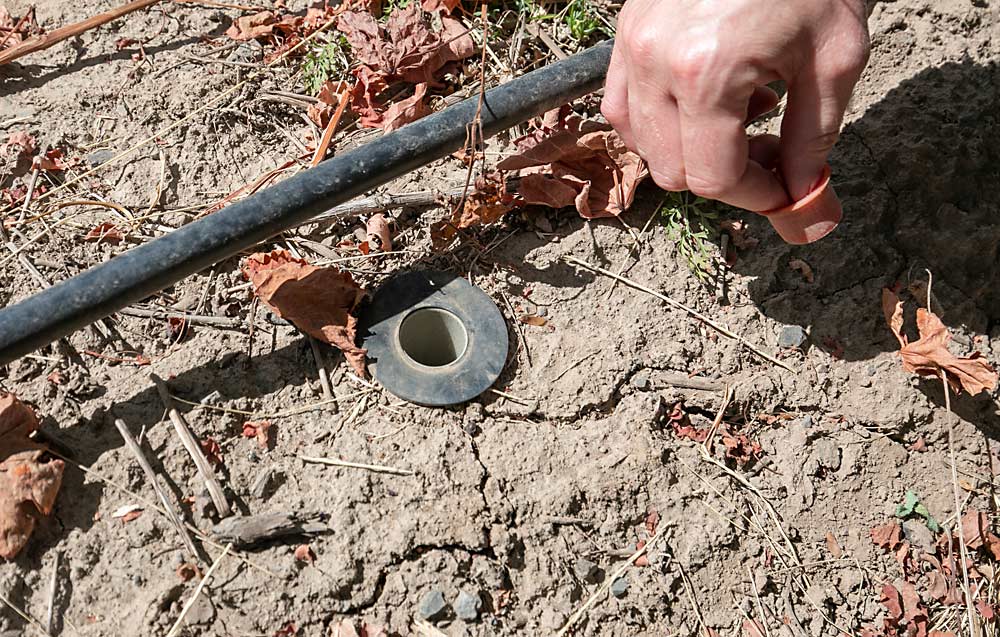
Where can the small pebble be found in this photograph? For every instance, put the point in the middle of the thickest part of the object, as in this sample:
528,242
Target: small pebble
791,336
467,606
99,157
586,570
619,587
641,381
432,606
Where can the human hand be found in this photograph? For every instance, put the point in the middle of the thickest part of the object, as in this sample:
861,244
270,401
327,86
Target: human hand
687,75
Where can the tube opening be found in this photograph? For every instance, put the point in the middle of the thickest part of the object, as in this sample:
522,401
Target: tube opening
433,337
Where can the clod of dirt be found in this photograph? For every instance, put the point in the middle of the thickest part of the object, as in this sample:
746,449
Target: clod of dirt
433,606
29,484
587,571
467,606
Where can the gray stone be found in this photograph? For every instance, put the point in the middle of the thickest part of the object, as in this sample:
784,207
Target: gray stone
619,587
640,381
99,157
791,336
467,606
586,570
432,606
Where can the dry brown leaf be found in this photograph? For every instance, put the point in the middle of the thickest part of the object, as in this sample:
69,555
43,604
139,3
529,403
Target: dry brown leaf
893,602
487,204
364,96
802,268
262,431
23,142
929,355
739,234
213,452
379,238
249,27
318,301
444,6
831,545
533,319
405,111
578,162
187,572
29,483
406,48
887,536
105,232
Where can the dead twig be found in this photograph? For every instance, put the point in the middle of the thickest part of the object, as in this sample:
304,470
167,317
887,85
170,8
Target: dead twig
193,448
193,319
331,128
376,468
172,514
324,377
676,304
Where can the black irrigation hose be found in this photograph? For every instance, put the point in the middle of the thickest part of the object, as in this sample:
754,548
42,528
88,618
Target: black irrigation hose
151,267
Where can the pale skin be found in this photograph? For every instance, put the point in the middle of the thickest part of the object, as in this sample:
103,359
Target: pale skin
686,75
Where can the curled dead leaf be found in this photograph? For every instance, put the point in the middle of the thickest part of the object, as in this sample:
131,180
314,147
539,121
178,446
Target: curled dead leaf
29,482
486,204
304,553
187,572
318,301
212,451
802,268
533,319
262,431
379,238
572,161
929,355
105,232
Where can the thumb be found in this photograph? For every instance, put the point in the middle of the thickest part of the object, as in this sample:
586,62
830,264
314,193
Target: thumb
811,125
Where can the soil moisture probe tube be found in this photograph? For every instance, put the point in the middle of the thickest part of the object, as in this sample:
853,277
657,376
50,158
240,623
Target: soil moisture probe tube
151,267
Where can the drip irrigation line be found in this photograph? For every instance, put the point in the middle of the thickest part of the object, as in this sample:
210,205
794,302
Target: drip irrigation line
146,269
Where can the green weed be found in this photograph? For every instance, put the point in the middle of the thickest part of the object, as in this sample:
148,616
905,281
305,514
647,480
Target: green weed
692,224
324,62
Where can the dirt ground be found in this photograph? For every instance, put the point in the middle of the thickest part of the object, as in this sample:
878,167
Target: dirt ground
528,502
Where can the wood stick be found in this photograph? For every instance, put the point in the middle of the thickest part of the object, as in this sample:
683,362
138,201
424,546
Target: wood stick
194,319
377,468
380,203
324,377
50,619
197,591
331,128
172,514
40,42
193,448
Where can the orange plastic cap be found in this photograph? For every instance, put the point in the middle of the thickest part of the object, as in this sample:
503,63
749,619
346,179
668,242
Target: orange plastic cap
810,218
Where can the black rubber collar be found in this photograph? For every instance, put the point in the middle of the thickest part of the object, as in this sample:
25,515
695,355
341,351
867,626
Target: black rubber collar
472,373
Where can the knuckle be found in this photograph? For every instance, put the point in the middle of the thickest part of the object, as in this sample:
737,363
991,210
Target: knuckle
645,43
852,58
668,179
823,143
710,188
